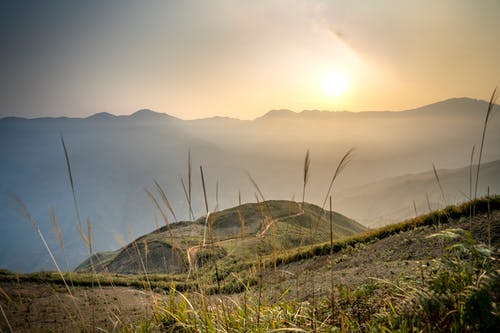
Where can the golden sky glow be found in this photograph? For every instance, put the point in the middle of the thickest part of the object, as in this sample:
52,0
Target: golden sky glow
240,59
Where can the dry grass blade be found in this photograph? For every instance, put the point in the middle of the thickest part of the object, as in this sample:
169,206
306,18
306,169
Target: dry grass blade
439,184
488,216
191,214
207,218
82,235
6,319
145,271
331,226
262,196
89,237
261,212
29,217
204,189
190,198
163,215
57,229
428,202
470,171
492,102
217,196
70,175
254,183
165,199
307,162
344,161
470,185
5,295
240,217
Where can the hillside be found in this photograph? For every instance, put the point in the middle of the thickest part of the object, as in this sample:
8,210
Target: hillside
235,235
114,158
391,199
380,279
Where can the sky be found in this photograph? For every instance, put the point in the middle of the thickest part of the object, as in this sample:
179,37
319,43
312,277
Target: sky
197,59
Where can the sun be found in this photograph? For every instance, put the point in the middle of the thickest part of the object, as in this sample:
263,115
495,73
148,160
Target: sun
335,84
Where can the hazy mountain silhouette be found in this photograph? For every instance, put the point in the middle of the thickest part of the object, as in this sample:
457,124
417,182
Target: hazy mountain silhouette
114,158
391,200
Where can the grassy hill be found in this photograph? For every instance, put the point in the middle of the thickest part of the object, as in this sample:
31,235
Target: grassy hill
433,273
233,236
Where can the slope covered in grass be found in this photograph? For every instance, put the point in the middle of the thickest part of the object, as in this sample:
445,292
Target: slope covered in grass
233,236
434,273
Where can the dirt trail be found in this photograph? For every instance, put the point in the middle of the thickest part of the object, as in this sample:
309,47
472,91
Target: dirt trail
193,250
263,232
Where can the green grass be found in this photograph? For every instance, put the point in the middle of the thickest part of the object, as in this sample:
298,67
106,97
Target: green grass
434,218
233,263
291,225
459,294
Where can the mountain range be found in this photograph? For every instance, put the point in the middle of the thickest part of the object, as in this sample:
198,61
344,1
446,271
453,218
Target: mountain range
114,159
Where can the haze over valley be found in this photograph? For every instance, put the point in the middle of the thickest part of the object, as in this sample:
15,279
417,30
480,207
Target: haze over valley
114,159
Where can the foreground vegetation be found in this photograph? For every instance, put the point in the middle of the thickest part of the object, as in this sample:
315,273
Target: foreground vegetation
457,291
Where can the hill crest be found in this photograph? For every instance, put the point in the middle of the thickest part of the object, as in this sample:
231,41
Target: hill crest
234,233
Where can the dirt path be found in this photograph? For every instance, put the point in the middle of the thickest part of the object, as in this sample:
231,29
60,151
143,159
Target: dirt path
263,232
193,250
41,307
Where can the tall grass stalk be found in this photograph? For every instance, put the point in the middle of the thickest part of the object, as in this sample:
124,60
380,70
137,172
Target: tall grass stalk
190,185
260,284
70,175
261,213
163,196
208,224
163,215
313,310
58,232
217,195
207,218
143,266
94,270
331,226
344,161
307,162
428,202
190,209
264,201
489,217
332,293
492,102
470,185
204,189
91,254
175,248
269,224
32,221
436,176
212,247
240,217
6,319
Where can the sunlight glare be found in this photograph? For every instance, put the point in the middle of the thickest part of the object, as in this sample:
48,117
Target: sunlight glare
335,84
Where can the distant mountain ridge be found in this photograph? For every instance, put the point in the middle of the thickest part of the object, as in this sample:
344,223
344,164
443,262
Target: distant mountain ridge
391,200
455,105
115,158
